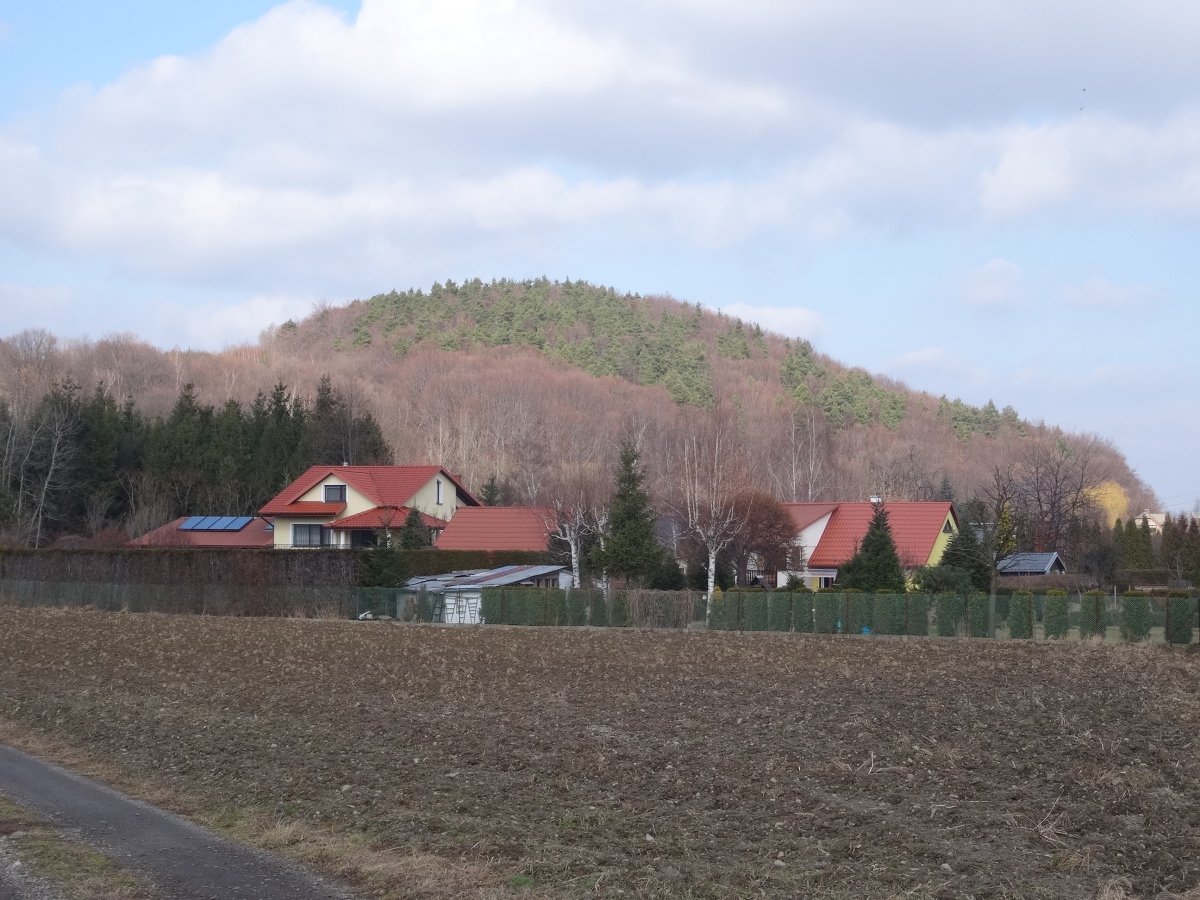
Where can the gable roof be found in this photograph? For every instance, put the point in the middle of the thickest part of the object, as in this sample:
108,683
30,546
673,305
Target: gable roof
805,514
1030,564
915,529
382,485
497,528
255,534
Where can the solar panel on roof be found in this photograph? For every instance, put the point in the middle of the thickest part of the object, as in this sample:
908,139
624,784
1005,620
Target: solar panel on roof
222,524
239,522
206,523
191,523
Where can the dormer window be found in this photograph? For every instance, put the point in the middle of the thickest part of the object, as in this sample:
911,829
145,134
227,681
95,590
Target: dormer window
947,528
335,493
438,484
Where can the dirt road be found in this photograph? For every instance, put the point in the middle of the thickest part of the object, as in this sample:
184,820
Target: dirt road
184,861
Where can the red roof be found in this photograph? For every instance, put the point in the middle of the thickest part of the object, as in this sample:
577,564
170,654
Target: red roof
915,528
254,535
498,528
384,517
383,485
314,508
805,514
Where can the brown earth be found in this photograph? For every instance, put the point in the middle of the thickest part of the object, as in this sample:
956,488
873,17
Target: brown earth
433,761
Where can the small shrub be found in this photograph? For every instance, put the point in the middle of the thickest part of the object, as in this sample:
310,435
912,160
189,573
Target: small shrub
755,614
950,611
1020,616
1135,616
1056,614
1093,614
779,611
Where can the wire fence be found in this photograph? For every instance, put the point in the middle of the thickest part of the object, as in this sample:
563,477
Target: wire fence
1166,618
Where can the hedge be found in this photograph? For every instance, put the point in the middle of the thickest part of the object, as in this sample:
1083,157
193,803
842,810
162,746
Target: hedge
754,612
918,614
1093,614
1056,614
950,612
1181,616
723,612
1020,616
858,610
802,612
977,615
888,614
1135,616
828,613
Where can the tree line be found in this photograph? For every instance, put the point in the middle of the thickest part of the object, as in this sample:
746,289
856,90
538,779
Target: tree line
85,465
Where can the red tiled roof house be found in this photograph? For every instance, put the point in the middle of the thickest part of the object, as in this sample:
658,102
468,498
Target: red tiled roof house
498,528
345,506
831,533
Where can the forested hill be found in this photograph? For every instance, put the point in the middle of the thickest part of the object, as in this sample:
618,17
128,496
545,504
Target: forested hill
531,383
647,341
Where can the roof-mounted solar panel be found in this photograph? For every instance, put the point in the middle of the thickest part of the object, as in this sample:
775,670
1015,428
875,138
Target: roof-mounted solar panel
206,523
191,523
222,524
238,523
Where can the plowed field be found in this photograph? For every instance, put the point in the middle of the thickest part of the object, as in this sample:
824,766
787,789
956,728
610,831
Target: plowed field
440,761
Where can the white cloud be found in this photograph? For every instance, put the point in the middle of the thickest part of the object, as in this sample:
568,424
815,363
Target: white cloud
214,326
1098,293
790,321
997,285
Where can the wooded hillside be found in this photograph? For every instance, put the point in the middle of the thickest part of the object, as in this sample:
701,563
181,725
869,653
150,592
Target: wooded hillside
535,382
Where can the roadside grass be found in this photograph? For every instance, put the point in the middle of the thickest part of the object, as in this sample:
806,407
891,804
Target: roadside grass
78,871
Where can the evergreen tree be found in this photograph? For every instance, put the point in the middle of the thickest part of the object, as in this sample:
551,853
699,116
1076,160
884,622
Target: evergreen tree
490,495
965,553
876,565
630,549
414,535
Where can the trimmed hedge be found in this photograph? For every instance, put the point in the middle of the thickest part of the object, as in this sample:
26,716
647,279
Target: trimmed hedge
918,614
1135,617
1020,616
977,615
802,612
754,613
1181,616
858,610
888,614
828,617
1093,614
1056,614
723,612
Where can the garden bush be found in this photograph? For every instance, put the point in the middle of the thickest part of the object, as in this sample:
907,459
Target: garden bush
618,614
950,611
1056,614
918,614
723,613
576,607
1020,616
779,611
597,609
1093,614
489,605
1135,616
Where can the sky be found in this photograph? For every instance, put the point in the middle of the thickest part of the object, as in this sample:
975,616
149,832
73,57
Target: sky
986,200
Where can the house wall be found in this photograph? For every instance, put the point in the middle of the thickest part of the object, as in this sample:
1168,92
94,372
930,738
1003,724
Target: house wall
283,530
355,502
943,540
426,498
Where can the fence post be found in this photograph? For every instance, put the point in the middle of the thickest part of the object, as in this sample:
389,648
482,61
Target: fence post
1031,602
845,613
906,614
1167,620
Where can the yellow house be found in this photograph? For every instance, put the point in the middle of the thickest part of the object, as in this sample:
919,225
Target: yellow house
345,506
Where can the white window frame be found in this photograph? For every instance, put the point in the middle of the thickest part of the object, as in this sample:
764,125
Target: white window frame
438,486
323,535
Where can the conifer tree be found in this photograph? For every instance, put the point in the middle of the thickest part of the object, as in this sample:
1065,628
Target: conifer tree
965,553
490,494
630,547
414,535
876,565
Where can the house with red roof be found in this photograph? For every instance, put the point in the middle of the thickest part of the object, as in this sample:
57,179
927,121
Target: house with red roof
244,532
346,506
831,533
498,528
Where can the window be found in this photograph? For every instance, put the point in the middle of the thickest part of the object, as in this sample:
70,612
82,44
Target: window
439,491
335,493
309,536
947,528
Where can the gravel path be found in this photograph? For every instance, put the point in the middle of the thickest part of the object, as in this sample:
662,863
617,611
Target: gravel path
185,861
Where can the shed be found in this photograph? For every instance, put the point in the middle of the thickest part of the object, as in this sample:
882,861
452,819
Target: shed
1031,564
462,592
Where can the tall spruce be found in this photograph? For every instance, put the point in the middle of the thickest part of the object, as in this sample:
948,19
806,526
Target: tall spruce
630,548
414,535
876,565
964,552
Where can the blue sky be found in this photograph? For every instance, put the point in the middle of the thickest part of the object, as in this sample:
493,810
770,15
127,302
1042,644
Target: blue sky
916,188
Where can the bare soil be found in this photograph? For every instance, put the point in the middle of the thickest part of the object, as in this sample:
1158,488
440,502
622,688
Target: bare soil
439,761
